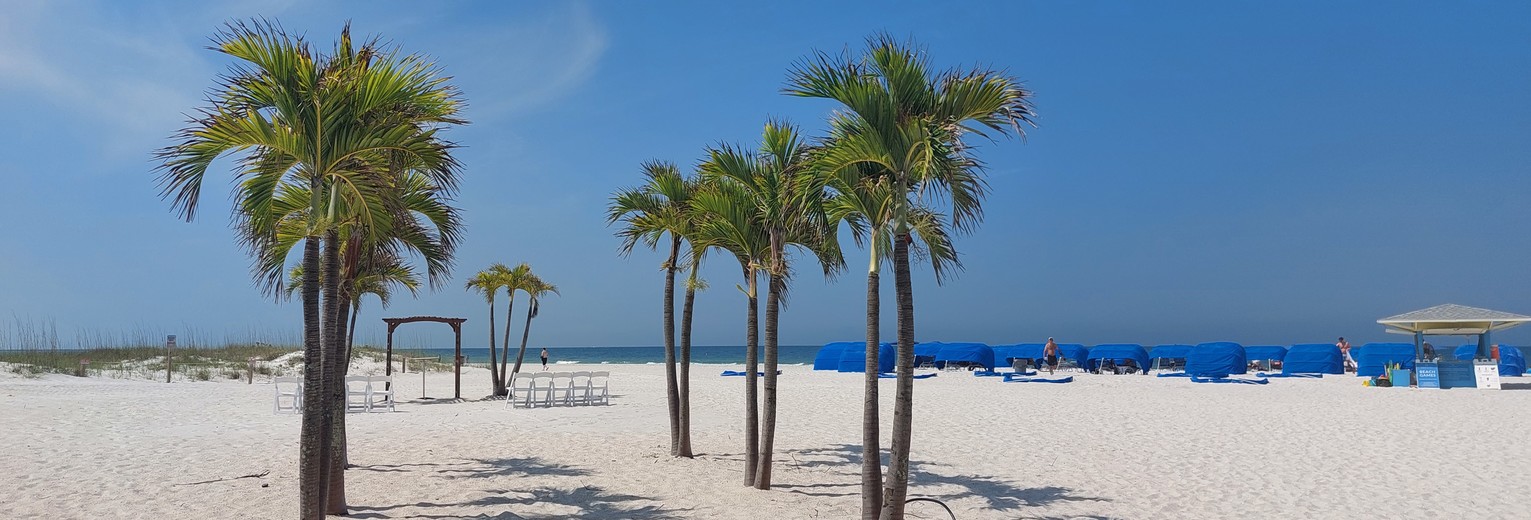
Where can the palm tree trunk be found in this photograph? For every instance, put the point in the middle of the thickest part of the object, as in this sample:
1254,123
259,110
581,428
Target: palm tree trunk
505,349
526,331
334,390
685,365
751,395
494,367
310,441
871,448
768,427
672,390
338,449
903,406
350,334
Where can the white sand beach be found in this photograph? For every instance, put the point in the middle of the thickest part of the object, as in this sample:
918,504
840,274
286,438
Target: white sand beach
1101,447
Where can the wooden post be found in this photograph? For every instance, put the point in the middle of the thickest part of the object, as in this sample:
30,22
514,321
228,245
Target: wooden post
169,345
250,372
388,361
457,330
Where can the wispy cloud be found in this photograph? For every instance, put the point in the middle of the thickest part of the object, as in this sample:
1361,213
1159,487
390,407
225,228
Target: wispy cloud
527,63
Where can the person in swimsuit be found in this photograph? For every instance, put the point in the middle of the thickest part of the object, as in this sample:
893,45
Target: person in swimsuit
544,358
1350,363
1050,353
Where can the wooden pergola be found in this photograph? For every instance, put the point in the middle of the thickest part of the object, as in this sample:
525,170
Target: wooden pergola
456,324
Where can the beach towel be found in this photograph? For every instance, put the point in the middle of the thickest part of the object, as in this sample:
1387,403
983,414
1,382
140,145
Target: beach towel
1261,381
991,373
1009,379
1278,374
1174,374
740,373
916,376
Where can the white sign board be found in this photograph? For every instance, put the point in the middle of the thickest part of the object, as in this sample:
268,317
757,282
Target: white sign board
1487,374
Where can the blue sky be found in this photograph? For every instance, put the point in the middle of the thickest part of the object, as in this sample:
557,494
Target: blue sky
1254,172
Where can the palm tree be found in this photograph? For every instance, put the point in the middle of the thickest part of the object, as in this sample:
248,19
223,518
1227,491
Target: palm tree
536,289
648,213
693,284
329,124
865,201
907,123
787,200
513,279
486,282
725,220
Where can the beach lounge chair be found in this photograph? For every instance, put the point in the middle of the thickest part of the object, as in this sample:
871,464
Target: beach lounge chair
598,389
379,393
358,394
290,388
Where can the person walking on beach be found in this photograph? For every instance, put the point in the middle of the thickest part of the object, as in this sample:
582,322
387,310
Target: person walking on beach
1350,363
1050,354
544,358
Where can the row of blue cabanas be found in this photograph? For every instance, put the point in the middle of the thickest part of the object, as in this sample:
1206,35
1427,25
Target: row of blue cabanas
1216,359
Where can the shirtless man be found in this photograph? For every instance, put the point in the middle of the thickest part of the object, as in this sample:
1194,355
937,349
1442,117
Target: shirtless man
1050,353
1350,363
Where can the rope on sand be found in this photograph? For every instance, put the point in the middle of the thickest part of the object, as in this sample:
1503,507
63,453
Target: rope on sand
937,502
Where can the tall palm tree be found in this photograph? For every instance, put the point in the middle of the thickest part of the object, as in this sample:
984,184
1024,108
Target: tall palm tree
328,123
865,201
787,200
536,289
725,220
419,222
488,283
648,213
693,284
908,123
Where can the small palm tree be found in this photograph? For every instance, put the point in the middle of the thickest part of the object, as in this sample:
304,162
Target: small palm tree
787,200
536,289
647,213
906,122
488,283
513,279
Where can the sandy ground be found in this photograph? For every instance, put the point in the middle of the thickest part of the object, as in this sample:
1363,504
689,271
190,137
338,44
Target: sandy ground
1101,447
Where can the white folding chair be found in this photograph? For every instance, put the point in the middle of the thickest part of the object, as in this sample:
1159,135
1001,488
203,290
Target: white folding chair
597,387
522,388
380,392
292,389
579,388
562,388
541,391
358,395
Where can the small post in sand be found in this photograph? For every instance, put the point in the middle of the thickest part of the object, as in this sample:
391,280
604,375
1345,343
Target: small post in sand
169,346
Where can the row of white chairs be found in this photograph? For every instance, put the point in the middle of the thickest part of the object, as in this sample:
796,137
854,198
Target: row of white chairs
559,388
363,394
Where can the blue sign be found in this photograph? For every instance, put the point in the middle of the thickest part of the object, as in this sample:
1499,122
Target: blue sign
1428,374
1457,374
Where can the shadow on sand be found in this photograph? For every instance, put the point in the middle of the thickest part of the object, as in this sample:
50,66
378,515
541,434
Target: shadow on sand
999,494
580,502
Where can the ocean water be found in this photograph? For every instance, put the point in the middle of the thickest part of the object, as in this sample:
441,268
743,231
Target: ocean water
717,354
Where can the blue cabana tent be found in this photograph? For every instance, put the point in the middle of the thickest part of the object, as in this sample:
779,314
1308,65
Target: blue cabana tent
1074,352
1313,358
1216,360
828,357
1118,353
854,359
1373,358
1002,355
926,352
974,353
1032,351
1512,362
